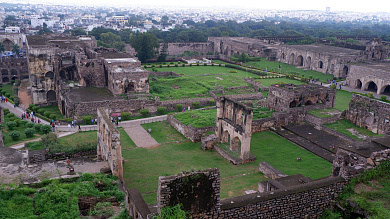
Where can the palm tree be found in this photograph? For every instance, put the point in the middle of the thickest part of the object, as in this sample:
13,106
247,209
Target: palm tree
16,49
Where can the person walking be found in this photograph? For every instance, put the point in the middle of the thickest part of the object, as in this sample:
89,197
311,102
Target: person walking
68,127
53,127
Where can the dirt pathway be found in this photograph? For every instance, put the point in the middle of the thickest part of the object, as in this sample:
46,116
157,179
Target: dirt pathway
25,97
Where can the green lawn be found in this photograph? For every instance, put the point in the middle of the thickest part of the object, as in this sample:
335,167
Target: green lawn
143,166
8,88
289,69
342,126
80,137
7,139
324,113
53,109
268,82
261,113
342,100
126,141
162,132
200,70
198,118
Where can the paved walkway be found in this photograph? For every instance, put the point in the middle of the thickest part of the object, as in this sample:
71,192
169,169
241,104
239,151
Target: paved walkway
140,136
21,144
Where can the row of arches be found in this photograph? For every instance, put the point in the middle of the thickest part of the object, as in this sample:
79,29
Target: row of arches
8,79
7,72
371,86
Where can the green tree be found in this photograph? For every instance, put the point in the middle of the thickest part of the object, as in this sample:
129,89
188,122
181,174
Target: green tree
146,45
163,53
78,32
16,49
109,38
2,48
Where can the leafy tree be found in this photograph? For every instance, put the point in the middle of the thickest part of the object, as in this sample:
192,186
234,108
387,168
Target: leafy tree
145,44
163,53
243,57
11,125
109,38
16,49
87,119
15,135
45,129
78,32
29,132
119,45
161,110
2,47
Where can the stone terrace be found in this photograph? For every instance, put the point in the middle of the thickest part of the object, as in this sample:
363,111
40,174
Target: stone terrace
329,50
90,94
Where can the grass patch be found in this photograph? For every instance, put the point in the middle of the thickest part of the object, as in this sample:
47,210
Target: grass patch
162,132
342,126
8,88
143,166
342,100
126,141
289,69
84,137
261,113
7,139
201,70
268,82
198,118
53,109
324,113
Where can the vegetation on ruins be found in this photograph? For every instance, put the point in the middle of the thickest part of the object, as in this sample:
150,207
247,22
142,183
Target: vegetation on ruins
162,132
168,212
323,113
198,118
58,198
346,127
15,130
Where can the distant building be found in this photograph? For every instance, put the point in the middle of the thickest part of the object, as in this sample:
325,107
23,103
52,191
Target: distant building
12,29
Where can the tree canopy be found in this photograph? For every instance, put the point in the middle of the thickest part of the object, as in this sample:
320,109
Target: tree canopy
146,45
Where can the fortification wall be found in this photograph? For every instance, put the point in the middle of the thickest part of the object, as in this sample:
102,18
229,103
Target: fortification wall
190,132
179,48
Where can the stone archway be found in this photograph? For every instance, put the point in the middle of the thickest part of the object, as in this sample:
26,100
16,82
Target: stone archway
49,74
292,59
14,78
51,96
14,72
308,103
283,56
359,84
8,44
372,87
308,62
63,74
235,144
345,71
320,64
300,60
293,104
5,80
4,72
386,90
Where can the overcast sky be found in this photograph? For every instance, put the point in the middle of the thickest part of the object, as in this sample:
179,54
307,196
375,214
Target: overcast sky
335,5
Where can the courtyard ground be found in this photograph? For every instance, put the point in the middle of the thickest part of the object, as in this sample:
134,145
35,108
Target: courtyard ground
200,70
143,166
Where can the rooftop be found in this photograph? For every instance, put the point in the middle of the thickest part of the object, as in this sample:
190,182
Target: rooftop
329,50
90,94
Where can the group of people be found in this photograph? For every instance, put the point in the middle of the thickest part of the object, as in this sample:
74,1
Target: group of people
31,117
73,125
3,99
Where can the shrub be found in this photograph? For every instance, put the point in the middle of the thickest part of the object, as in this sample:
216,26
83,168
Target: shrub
53,116
197,64
11,125
232,71
204,64
8,95
160,66
5,111
35,108
153,66
41,111
176,65
370,95
24,122
16,101
125,115
35,145
179,107
195,105
17,121
17,82
38,127
45,129
383,98
46,114
212,64
49,140
161,110
10,115
220,65
190,64
87,119
30,125
15,135
183,65
144,112
29,132
211,102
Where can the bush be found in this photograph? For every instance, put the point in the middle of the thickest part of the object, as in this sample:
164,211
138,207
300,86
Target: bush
383,98
35,108
204,64
232,71
197,64
17,121
11,125
10,115
53,116
17,82
161,110
144,112
211,102
15,135
5,111
160,66
38,127
191,65
41,111
29,132
30,125
183,65
125,115
24,122
49,140
370,95
46,114
333,86
195,105
45,129
176,65
8,95
87,119
16,101
179,107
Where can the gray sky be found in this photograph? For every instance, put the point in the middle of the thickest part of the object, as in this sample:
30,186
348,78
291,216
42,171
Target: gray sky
335,5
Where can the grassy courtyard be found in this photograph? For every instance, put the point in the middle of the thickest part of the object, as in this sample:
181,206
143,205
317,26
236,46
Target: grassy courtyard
143,166
345,127
268,82
53,109
162,132
289,69
342,99
324,113
198,118
126,142
201,70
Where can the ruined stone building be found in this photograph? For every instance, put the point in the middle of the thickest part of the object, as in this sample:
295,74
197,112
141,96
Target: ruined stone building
285,96
12,67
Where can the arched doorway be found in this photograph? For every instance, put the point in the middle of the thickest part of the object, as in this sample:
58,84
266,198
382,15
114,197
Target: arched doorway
293,104
4,72
225,137
129,87
5,80
235,144
345,71
320,64
308,62
292,59
14,78
386,91
51,96
358,84
49,74
63,74
308,103
372,87
8,44
283,57
14,72
299,60
332,68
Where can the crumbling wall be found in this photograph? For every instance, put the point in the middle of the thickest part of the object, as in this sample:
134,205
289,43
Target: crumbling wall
369,113
179,48
135,203
190,132
109,143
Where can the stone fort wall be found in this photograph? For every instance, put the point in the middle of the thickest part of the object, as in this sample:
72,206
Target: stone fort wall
180,48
